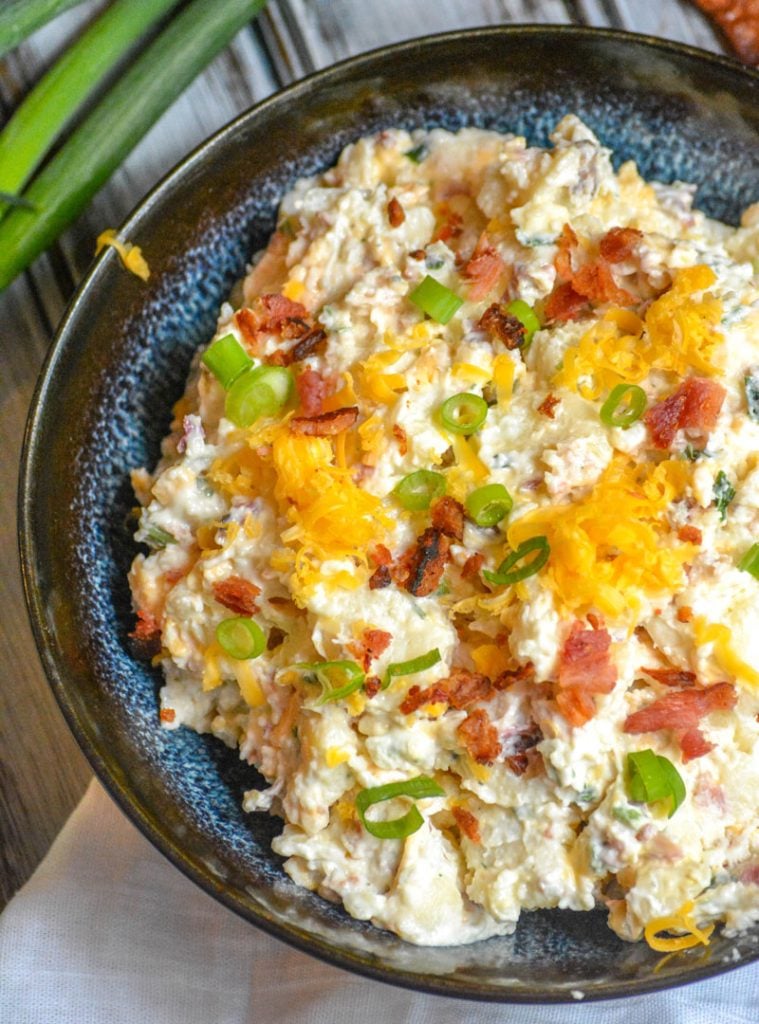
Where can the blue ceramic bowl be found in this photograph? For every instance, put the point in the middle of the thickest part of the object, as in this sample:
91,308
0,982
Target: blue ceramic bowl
119,361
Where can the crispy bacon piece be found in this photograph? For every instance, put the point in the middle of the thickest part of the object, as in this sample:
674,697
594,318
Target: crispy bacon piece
501,325
471,568
417,254
448,516
307,344
690,535
467,823
484,269
479,737
681,709
450,229
420,569
312,390
395,213
146,636
672,676
739,20
596,282
585,660
585,668
562,261
372,686
380,578
381,555
275,638
564,303
685,613
618,244
596,621
401,437
518,763
694,744
696,404
237,594
372,643
326,424
459,689
247,324
167,714
510,676
547,406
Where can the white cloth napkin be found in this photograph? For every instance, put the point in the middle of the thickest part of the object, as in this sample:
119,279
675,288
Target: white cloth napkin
109,932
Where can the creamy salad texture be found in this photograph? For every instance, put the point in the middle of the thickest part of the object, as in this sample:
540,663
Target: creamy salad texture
456,537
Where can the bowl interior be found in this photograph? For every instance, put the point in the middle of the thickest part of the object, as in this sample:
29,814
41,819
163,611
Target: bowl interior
120,361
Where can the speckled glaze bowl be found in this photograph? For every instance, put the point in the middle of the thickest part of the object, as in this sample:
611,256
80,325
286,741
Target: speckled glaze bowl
119,362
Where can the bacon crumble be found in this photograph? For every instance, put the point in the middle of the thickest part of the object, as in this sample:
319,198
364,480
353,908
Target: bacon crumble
681,709
479,737
690,535
326,424
467,823
672,676
421,568
237,594
497,322
395,213
696,404
145,638
447,515
548,405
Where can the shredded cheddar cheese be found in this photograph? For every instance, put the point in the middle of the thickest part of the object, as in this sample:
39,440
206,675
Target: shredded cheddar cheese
681,921
130,255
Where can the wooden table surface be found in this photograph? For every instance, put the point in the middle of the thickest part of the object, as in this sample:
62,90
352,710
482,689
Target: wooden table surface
42,772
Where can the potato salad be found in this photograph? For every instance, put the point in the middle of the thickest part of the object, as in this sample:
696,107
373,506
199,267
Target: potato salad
456,537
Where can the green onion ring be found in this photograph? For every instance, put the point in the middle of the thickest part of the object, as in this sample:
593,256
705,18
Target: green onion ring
409,668
226,359
434,299
258,391
488,505
632,401
506,573
463,413
652,777
399,828
418,490
323,670
240,638
750,561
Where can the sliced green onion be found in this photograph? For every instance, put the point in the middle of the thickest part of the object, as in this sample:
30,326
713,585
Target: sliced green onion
338,679
409,668
258,391
399,828
434,299
724,492
241,638
47,109
464,413
527,316
652,777
751,384
488,505
157,537
418,490
507,573
624,406
750,561
226,359
418,153
99,144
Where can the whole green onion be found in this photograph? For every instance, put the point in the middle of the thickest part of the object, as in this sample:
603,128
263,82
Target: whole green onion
527,316
19,18
51,104
325,673
398,828
99,144
409,668
624,406
240,638
464,413
509,571
226,359
750,561
434,299
418,490
256,392
488,505
652,777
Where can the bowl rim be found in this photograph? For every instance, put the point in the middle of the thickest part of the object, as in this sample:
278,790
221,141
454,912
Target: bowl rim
51,658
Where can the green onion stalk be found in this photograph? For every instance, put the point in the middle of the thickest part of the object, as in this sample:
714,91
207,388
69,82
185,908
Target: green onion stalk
19,18
55,99
99,144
